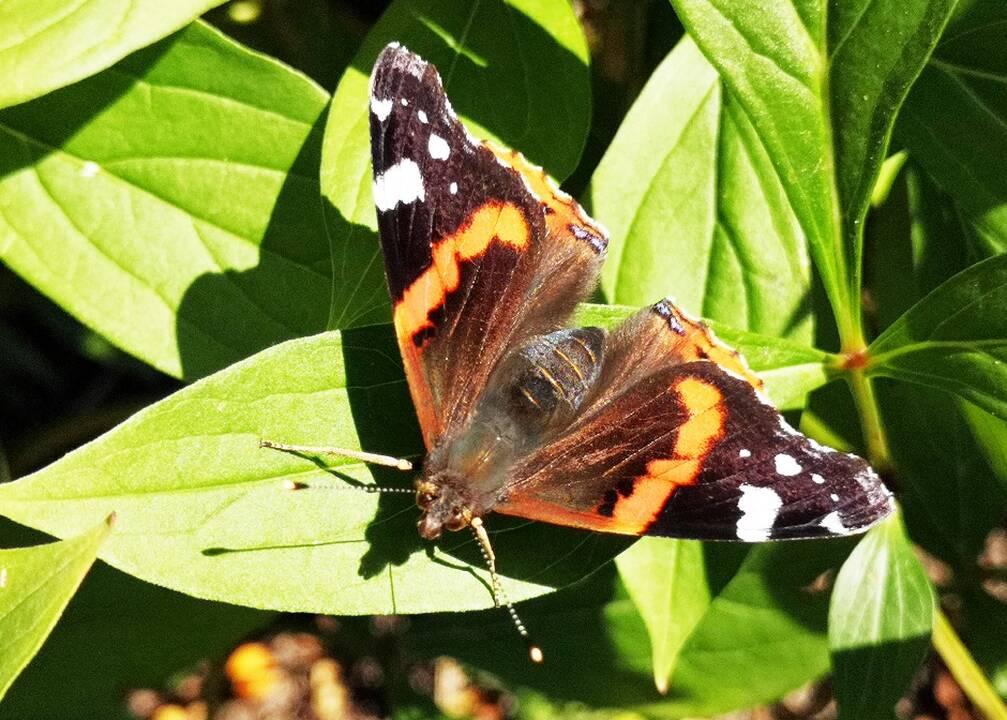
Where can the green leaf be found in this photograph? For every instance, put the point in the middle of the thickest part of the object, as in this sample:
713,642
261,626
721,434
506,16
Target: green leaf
954,339
949,495
490,55
119,633
914,243
790,370
51,43
696,209
991,434
821,90
37,583
877,49
202,509
955,119
880,619
171,202
763,634
668,584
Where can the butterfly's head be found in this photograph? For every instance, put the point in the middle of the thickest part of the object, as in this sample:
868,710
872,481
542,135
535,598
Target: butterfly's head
442,506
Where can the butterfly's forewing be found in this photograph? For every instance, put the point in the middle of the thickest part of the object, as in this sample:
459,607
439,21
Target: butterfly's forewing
687,447
481,252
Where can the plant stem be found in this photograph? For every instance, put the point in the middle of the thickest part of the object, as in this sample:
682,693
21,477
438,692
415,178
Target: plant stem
870,419
965,670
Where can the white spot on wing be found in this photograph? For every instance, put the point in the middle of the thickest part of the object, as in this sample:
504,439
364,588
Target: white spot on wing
453,188
787,429
438,147
834,524
759,507
835,498
381,108
744,453
786,465
422,116
819,480
405,103
401,183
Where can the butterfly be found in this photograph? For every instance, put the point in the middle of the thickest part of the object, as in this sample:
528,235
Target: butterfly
654,428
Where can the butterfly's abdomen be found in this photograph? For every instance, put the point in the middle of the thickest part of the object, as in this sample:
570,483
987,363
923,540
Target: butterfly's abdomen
535,392
545,382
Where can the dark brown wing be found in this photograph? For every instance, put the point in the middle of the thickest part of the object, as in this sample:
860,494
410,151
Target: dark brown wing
686,447
481,251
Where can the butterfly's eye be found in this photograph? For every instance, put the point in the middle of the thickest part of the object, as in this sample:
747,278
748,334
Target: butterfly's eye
423,499
457,520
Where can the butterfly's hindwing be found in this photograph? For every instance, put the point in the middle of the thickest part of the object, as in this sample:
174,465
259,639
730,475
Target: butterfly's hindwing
693,450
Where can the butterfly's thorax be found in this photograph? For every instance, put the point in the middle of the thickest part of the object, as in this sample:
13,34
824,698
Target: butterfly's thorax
535,392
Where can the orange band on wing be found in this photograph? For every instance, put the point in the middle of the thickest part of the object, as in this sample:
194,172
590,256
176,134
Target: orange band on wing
704,426
503,222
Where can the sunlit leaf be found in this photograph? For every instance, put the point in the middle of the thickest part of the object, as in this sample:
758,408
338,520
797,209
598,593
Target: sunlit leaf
36,583
171,202
954,339
51,43
820,83
668,583
202,509
696,210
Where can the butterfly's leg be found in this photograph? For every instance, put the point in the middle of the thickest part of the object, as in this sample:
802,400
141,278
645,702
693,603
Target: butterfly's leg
372,458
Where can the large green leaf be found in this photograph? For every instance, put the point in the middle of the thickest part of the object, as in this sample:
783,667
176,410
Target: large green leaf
51,43
490,55
36,584
171,202
955,119
696,209
820,84
954,339
202,509
880,618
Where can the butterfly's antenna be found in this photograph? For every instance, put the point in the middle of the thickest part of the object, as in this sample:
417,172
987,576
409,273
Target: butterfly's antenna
372,458
534,651
380,489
